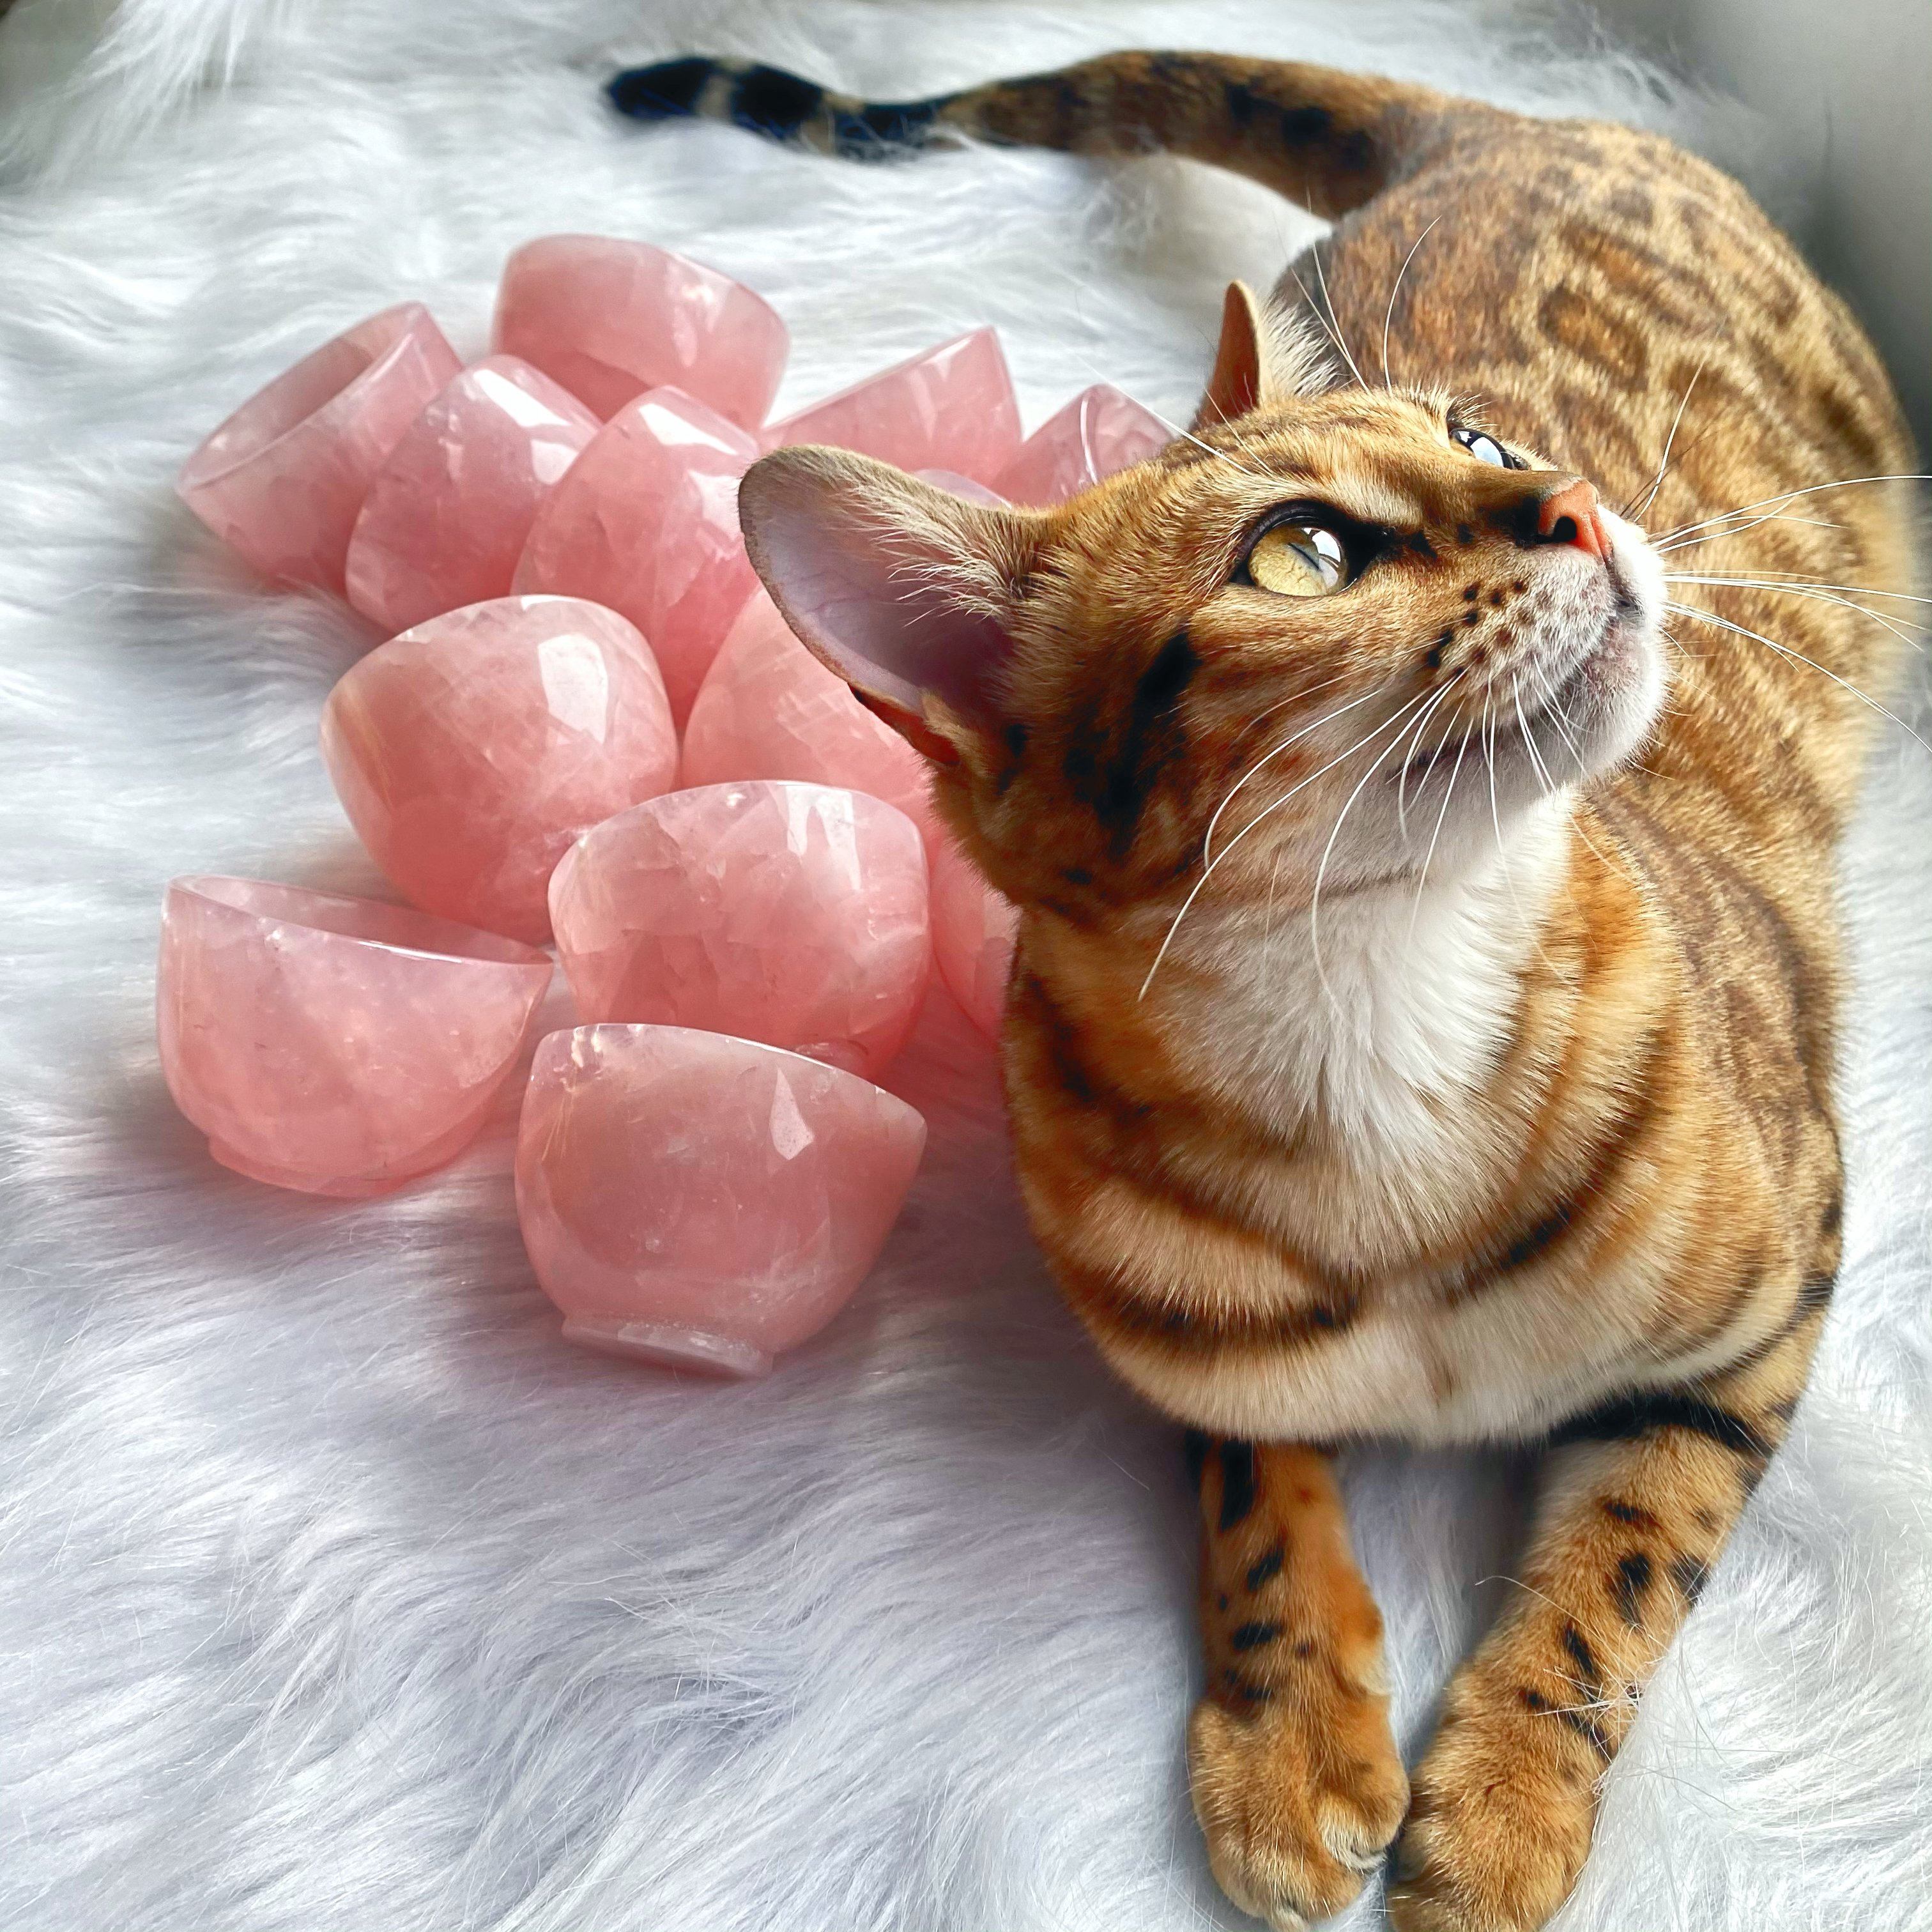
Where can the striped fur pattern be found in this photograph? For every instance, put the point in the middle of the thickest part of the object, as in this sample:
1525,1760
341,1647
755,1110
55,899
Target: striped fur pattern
1423,1018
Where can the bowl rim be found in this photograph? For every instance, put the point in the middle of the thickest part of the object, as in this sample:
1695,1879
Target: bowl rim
405,318
464,945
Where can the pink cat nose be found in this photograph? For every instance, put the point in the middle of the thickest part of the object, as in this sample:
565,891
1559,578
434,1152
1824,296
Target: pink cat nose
1569,516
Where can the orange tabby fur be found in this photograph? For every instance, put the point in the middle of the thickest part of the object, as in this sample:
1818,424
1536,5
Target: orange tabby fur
1538,1146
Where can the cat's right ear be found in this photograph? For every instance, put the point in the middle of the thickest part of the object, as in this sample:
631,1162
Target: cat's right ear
906,591
1261,359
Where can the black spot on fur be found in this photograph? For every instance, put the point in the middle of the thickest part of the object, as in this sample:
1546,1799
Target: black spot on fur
1194,1446
1633,1575
1833,1218
1470,592
1584,1658
1435,655
1306,124
1690,1575
1238,1482
1623,1512
1464,535
1815,1294
1252,1636
1470,617
1265,1568
663,92
767,101
1243,103
1238,1686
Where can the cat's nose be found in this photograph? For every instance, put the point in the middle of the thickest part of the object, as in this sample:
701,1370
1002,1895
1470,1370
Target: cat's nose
1569,516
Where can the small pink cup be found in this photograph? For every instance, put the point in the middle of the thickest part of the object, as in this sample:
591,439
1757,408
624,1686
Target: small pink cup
704,1202
973,930
794,914
282,479
332,1045
610,319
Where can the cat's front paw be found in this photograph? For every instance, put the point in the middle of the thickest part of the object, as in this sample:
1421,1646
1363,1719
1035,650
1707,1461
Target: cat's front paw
1298,1799
1505,1804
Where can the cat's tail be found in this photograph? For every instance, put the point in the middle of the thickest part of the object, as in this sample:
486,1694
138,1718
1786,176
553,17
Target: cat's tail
1328,139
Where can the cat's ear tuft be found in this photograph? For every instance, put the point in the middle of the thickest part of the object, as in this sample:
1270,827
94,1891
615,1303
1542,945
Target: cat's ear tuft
905,590
1263,357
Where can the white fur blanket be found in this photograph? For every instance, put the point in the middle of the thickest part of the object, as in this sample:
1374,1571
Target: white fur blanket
337,1595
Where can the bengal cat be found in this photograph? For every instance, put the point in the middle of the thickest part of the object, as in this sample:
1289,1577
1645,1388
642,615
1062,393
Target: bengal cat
1423,1021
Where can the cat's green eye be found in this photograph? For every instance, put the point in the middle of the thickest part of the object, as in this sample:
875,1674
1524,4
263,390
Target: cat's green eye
1298,560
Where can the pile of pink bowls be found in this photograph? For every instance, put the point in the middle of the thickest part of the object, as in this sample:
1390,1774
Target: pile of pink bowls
591,728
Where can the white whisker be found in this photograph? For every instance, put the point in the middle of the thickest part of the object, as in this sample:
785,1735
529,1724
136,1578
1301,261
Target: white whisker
1449,792
1389,317
1656,482
1798,657
1789,496
1268,811
1267,757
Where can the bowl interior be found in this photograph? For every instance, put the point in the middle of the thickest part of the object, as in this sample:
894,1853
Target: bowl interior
298,393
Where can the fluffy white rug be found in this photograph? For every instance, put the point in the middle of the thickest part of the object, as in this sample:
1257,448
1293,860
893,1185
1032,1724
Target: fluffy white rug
337,1594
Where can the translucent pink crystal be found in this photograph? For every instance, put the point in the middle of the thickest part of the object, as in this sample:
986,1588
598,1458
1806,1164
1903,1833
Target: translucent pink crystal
470,751
702,1202
281,481
647,521
951,408
794,914
610,319
1100,431
446,516
973,932
770,710
334,1045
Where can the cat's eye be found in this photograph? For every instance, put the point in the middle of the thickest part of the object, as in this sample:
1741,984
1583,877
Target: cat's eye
1298,558
1485,448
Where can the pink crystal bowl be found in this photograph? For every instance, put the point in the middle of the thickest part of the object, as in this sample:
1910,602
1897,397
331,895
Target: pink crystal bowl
1101,431
332,1045
448,513
470,751
281,481
768,709
700,1201
948,408
647,521
610,319
973,928
795,914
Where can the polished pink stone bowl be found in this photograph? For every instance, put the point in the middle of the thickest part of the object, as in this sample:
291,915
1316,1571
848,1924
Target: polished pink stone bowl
647,521
334,1046
281,481
447,514
1101,431
609,319
700,1201
948,408
470,751
794,914
770,710
973,929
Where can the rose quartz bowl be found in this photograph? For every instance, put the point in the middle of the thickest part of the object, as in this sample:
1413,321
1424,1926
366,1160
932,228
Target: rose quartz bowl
704,1202
768,709
795,914
973,929
281,481
610,319
332,1045
470,751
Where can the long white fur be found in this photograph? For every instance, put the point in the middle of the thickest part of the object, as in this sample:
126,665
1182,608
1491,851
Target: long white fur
337,1594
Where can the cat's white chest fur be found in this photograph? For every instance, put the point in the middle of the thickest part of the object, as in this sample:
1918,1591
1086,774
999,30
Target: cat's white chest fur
1380,1011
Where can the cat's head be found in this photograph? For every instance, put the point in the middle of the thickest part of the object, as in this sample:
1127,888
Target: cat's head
1339,632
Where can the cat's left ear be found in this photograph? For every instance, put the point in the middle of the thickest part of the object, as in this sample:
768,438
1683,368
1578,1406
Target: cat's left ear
905,591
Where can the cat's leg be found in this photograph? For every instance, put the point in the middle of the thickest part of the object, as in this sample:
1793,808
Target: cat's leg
1296,1781
1640,1497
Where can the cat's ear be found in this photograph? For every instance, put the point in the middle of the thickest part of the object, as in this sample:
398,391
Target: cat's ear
1262,358
905,591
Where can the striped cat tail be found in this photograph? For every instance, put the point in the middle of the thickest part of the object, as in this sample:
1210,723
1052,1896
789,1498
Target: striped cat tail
1328,139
